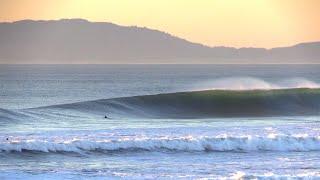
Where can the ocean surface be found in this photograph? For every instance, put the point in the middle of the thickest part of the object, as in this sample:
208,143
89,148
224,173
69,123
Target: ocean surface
159,121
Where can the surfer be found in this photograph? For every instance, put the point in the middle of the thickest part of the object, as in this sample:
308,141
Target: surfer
7,139
106,117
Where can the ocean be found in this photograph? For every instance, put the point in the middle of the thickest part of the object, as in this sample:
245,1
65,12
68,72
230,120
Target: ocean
160,121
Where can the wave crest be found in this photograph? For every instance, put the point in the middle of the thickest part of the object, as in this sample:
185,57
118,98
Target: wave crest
250,83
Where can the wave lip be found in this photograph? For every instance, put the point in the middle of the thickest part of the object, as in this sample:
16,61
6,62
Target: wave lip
222,143
251,83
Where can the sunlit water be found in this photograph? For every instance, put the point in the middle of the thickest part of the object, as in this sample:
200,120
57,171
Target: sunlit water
56,146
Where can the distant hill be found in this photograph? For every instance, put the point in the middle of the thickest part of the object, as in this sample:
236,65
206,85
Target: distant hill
81,41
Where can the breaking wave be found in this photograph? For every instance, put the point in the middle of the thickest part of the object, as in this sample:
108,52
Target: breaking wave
221,143
201,104
233,97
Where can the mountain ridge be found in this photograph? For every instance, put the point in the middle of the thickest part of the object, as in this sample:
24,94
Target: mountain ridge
81,41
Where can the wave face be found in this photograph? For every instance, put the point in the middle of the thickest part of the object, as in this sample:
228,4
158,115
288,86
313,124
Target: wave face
221,143
10,115
204,104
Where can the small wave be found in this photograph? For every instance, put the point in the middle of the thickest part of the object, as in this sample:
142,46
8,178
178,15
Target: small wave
222,143
271,176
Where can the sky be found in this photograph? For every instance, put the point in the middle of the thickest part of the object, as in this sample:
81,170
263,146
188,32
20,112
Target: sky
236,23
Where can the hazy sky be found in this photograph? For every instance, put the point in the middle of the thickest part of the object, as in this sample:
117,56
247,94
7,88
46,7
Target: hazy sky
238,23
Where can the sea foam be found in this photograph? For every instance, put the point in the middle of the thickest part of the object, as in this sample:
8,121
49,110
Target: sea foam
272,142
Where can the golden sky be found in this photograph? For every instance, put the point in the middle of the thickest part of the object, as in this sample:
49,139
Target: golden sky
238,23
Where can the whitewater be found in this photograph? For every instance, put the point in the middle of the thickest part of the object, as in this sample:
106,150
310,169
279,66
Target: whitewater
106,142
163,122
